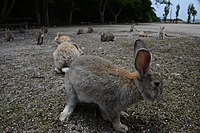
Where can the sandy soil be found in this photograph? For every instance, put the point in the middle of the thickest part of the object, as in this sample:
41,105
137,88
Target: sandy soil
32,94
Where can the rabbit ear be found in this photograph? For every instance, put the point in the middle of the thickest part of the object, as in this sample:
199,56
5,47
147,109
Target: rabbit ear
142,61
138,45
76,45
58,34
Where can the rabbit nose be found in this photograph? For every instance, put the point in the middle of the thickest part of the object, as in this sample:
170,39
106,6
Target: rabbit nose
156,83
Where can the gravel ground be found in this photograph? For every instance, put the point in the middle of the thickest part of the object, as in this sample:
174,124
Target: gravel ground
32,94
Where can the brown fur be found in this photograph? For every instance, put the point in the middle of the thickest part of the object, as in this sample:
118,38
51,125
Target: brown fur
61,38
161,33
142,34
65,53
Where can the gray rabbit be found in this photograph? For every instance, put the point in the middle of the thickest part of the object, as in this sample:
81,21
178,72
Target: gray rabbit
107,36
9,35
93,79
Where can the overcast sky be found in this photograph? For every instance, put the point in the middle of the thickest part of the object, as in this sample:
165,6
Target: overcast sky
183,8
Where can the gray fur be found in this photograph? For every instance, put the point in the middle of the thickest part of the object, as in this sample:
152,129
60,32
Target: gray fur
44,29
90,30
93,79
80,31
9,35
65,53
107,36
39,37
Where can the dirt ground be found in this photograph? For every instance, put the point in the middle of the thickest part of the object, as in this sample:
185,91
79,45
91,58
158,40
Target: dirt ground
32,94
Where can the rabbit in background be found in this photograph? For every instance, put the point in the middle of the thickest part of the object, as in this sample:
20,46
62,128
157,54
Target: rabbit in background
65,53
161,33
39,37
93,79
80,31
90,30
61,38
9,35
107,36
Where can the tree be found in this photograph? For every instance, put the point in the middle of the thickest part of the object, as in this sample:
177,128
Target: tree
46,13
194,13
189,11
37,11
117,4
70,5
7,7
177,12
102,8
166,12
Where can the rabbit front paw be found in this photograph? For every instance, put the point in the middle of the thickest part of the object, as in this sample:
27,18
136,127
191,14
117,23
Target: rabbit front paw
57,70
66,112
63,115
121,128
124,114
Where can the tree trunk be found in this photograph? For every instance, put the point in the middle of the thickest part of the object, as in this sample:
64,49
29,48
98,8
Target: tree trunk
102,19
193,19
45,13
116,19
102,8
71,11
115,14
6,10
188,19
37,10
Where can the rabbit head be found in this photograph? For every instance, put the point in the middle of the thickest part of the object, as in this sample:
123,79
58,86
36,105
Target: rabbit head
162,28
39,37
149,84
44,29
80,31
93,79
65,53
61,38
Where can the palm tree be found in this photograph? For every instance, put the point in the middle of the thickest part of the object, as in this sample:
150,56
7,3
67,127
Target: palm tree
189,11
177,12
166,12
194,13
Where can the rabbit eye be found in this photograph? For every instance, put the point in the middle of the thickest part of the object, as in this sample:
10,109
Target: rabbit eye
156,83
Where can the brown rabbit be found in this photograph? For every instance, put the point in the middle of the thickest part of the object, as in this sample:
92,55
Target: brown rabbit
142,34
65,53
9,35
93,79
107,36
61,38
161,33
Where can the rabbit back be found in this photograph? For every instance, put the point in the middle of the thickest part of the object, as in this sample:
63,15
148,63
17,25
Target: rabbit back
97,80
